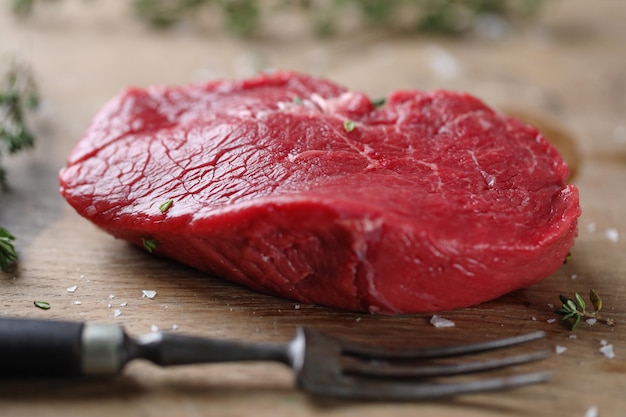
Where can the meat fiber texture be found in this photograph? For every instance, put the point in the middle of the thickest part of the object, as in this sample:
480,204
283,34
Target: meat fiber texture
294,186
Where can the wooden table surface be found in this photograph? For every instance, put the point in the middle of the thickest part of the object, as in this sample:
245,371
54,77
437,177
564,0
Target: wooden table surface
569,67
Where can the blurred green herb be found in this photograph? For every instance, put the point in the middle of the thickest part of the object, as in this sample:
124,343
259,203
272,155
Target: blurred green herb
18,95
379,102
576,309
8,256
244,17
149,244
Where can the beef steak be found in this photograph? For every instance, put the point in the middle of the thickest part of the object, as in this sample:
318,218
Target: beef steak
294,186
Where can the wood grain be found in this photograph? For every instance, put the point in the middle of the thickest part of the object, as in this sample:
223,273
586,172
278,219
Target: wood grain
572,70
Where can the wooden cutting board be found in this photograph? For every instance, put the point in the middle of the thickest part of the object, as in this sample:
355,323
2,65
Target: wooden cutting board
571,71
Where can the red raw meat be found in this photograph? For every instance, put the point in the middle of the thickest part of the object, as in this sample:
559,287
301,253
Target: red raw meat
294,186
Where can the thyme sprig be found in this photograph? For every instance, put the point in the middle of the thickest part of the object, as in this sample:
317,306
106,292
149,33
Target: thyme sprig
576,309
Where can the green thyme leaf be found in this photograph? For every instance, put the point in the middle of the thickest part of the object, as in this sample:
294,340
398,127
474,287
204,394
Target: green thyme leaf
44,305
348,126
595,300
571,305
581,303
165,206
576,321
149,244
563,299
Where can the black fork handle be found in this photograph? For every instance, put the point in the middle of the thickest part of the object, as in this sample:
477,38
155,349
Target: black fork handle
40,348
50,348
30,347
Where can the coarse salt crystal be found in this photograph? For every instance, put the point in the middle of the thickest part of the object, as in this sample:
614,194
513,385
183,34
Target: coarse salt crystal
612,235
109,305
358,319
591,321
591,227
78,303
551,321
603,342
550,305
72,288
560,349
117,313
154,328
111,296
574,276
175,327
533,318
573,336
592,411
607,350
297,306
148,294
438,321
124,304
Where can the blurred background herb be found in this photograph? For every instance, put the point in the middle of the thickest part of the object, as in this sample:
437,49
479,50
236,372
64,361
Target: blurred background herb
324,17
18,95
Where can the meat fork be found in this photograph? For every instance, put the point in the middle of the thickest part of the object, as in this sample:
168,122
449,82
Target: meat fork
323,365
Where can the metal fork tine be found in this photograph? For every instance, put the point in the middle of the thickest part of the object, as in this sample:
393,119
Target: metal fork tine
375,352
387,370
364,389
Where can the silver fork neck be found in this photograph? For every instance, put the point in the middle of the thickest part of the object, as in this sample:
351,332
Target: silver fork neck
296,350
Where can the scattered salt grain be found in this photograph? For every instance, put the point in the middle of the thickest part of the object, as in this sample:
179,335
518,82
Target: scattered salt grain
109,305
175,327
78,303
297,306
607,350
117,313
438,321
358,319
550,321
592,411
550,305
612,235
574,276
72,288
148,294
111,296
603,342
573,336
591,227
443,63
124,304
154,328
560,349
533,318
591,321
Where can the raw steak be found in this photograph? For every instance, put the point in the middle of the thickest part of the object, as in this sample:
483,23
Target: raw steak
293,186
